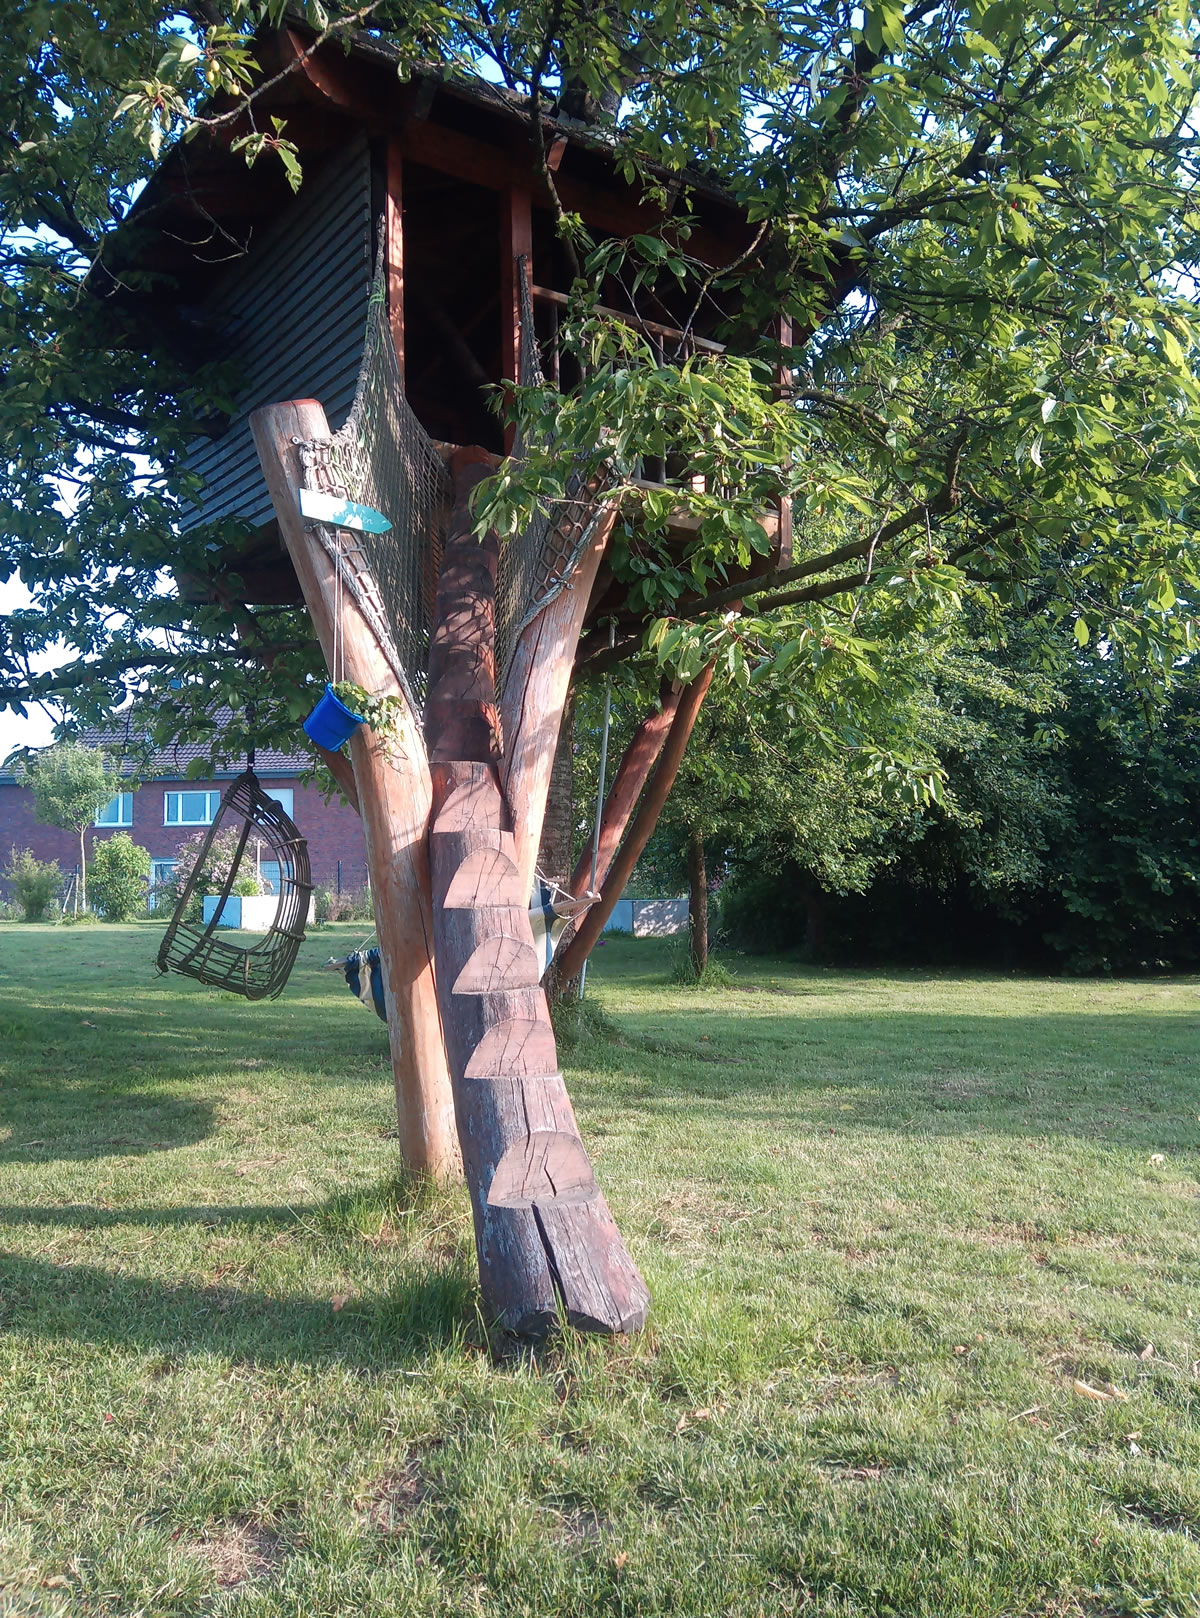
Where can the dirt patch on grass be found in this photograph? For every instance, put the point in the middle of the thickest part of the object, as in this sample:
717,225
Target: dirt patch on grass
854,1474
239,1551
580,1527
394,1498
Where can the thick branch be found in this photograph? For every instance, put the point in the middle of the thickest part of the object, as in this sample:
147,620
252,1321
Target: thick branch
632,773
644,822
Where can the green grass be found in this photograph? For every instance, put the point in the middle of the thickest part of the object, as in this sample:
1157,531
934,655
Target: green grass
888,1220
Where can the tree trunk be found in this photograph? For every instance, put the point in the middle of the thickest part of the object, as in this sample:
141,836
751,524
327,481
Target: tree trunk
558,823
81,885
632,774
697,901
393,790
644,822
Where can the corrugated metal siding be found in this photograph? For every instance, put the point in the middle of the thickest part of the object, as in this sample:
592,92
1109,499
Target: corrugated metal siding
296,310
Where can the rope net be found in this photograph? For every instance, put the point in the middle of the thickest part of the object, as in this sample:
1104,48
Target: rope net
536,564
383,457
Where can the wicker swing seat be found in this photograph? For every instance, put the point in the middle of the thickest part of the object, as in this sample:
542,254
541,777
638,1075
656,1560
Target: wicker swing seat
193,948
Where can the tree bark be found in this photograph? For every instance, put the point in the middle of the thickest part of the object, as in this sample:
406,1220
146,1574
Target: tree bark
697,900
394,797
535,691
558,823
644,822
81,885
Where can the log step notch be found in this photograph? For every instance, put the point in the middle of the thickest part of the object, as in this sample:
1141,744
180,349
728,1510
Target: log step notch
487,877
516,1047
546,1166
501,962
548,1246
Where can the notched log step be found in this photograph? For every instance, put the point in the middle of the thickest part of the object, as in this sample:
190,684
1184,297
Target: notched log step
518,1047
486,879
500,962
476,804
545,1167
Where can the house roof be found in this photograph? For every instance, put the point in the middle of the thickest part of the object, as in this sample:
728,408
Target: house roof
202,203
139,756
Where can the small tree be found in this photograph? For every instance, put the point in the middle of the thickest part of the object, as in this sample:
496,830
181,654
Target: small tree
120,877
216,869
70,784
34,882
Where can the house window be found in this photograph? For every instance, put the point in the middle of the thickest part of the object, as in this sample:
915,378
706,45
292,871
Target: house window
119,812
190,808
268,875
282,796
161,872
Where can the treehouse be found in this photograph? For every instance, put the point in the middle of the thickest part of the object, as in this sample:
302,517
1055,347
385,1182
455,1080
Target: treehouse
438,182
368,320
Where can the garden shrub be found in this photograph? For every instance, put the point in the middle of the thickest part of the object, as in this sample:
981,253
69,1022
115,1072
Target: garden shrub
119,879
216,869
35,883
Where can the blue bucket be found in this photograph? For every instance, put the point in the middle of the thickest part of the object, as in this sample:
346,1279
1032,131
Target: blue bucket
331,723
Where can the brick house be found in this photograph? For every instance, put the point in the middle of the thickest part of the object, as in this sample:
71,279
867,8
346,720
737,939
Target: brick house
167,809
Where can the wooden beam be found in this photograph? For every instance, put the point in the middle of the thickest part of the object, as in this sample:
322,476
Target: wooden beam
394,244
516,261
535,692
562,301
394,795
644,822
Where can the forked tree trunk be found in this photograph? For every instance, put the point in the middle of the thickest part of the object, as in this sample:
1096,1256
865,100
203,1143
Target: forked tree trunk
546,1242
697,900
543,1231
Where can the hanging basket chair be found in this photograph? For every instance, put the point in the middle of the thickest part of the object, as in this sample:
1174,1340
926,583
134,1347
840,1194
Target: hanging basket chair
193,948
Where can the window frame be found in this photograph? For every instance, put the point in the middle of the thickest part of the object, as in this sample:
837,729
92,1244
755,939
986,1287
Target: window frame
212,802
121,799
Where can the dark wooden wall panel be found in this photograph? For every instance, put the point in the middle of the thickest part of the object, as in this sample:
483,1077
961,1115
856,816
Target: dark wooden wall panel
294,310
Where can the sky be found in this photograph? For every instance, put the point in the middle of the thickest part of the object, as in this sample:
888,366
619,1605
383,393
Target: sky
38,728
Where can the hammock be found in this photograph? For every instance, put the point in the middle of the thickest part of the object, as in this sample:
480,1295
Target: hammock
193,948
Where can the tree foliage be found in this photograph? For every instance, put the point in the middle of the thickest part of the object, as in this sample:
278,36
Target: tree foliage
978,216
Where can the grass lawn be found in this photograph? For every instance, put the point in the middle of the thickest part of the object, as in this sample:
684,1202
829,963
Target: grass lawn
892,1224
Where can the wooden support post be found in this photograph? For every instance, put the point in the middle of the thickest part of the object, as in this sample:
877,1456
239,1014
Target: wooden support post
545,1238
394,795
516,243
394,245
592,923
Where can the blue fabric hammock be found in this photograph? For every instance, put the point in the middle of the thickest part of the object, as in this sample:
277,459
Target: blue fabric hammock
549,915
363,971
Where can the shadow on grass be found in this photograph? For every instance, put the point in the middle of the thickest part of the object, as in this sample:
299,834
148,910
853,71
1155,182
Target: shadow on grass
430,1307
78,1121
